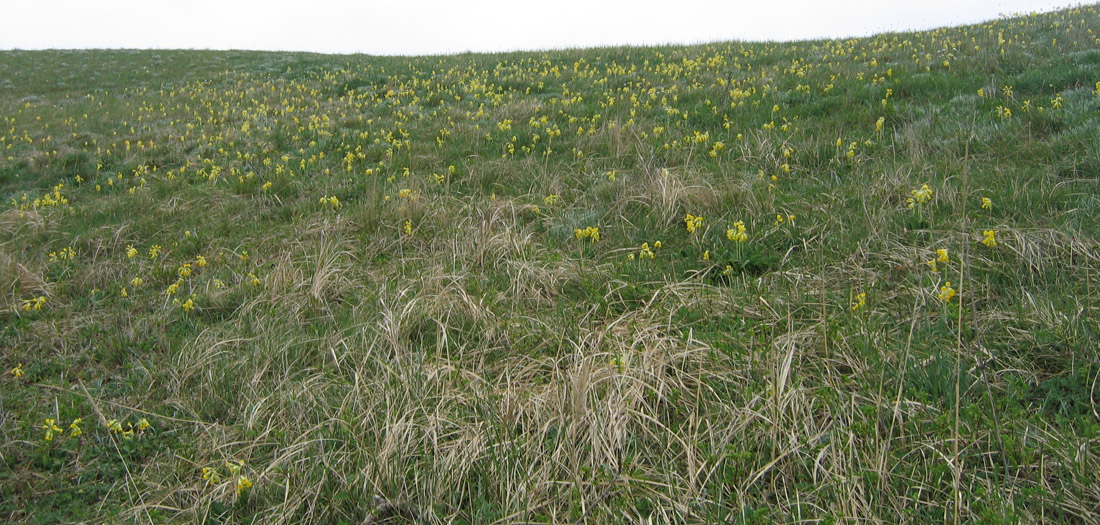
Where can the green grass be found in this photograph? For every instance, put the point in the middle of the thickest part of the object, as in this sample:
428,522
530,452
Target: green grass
441,347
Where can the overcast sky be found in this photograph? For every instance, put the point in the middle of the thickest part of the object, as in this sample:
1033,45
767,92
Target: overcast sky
397,27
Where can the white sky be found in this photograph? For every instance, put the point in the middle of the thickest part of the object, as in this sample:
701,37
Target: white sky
396,27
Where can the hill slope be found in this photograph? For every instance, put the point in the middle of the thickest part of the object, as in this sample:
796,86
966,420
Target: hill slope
734,282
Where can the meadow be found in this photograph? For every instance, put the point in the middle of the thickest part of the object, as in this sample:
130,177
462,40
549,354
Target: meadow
822,281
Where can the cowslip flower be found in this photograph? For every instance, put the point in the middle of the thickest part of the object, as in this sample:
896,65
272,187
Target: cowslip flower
987,203
51,429
920,196
692,223
738,232
131,251
74,427
211,475
243,483
234,467
860,301
947,292
942,256
990,239
590,232
17,371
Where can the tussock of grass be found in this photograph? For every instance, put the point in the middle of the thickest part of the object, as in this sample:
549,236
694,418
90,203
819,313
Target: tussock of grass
392,311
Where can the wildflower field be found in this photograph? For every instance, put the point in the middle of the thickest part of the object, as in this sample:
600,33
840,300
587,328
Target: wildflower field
820,281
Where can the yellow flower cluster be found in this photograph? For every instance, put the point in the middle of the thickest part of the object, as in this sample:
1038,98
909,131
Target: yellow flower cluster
51,429
920,196
987,203
66,254
738,233
860,301
779,219
693,223
331,201
941,257
213,476
947,292
590,232
130,430
990,239
34,304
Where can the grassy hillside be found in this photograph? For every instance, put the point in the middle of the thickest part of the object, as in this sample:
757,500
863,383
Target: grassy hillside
741,282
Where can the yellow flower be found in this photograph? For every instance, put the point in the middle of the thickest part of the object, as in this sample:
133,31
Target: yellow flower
143,424
200,261
942,252
242,484
234,466
136,281
123,293
551,199
657,244
188,305
987,204
590,232
692,223
253,280
408,227
738,232
18,370
244,255
74,427
706,255
211,475
131,251
51,429
860,302
947,292
920,196
185,270
932,264
990,239
34,304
